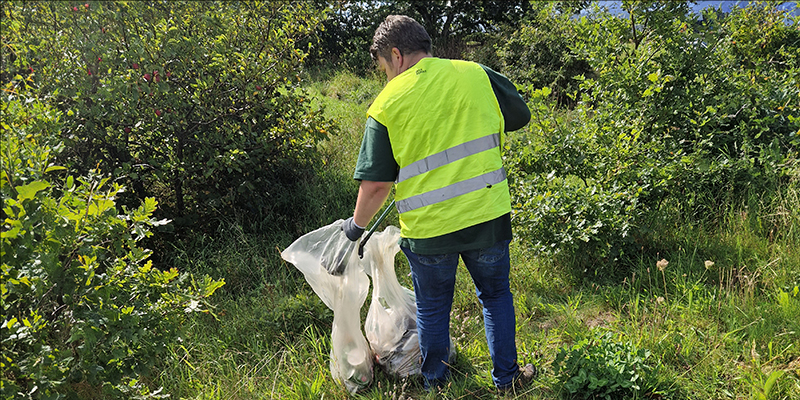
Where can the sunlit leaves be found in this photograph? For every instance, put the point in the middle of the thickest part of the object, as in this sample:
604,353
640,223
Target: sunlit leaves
81,302
162,94
672,110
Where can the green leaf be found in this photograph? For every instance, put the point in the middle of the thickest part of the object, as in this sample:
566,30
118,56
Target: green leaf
13,232
149,205
100,206
210,286
54,168
27,192
771,380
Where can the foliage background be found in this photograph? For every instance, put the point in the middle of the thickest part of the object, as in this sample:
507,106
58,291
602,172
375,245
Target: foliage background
195,103
657,134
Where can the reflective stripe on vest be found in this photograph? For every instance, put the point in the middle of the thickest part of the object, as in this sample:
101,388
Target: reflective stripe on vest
445,157
450,191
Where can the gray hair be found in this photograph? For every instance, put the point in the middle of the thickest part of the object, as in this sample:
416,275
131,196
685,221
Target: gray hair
402,32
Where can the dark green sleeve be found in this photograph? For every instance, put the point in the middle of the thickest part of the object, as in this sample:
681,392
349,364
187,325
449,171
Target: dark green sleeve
515,111
375,160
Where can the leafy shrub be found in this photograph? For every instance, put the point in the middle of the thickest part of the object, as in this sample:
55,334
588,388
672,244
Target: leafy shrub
673,115
577,186
194,103
81,301
538,54
603,368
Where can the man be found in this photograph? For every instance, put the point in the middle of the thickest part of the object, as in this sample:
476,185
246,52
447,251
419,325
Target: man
435,132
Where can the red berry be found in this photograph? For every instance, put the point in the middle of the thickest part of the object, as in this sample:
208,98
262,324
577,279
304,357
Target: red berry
146,77
99,59
74,8
135,66
86,5
127,129
88,71
258,87
158,113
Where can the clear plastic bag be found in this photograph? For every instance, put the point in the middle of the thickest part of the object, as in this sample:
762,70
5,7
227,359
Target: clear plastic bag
391,324
351,358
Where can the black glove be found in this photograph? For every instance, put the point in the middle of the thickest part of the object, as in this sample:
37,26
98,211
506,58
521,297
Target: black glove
351,230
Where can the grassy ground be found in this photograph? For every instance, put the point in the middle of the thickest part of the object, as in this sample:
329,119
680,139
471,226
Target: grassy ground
718,320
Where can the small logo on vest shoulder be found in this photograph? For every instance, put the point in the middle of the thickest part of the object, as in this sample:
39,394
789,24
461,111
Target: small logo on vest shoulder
421,71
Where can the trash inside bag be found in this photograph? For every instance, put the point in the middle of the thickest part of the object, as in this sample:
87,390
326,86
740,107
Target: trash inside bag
343,289
391,323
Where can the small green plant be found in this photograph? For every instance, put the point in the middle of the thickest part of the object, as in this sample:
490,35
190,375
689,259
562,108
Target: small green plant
787,301
760,379
762,384
603,368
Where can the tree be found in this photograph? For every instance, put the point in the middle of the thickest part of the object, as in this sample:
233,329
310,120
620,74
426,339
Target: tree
446,21
539,53
451,24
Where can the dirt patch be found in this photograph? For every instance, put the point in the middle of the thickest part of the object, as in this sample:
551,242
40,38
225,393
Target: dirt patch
548,324
601,320
794,367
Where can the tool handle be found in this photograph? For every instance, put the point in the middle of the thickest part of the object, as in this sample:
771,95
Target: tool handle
371,230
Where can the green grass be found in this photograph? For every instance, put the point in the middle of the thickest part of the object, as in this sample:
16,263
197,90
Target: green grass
345,97
715,331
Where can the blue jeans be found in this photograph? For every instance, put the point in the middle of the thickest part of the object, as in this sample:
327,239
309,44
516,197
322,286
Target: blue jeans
434,278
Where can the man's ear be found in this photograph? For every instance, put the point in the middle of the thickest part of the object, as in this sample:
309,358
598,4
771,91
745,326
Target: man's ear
396,54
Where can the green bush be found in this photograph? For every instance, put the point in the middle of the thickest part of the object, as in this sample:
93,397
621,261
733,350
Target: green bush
194,103
673,115
578,192
538,54
82,304
603,368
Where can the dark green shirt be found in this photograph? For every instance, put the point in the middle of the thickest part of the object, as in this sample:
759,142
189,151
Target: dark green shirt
376,163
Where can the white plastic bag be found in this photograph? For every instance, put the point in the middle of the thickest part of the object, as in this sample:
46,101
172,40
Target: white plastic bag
391,323
351,359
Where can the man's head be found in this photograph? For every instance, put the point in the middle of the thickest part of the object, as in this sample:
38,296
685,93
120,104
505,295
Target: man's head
401,32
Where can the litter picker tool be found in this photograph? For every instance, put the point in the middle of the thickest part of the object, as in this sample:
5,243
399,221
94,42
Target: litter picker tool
372,230
335,253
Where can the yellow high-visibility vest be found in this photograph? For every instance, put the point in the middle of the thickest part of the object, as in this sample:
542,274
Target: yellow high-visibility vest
445,128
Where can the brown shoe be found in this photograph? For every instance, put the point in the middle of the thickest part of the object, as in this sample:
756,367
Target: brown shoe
525,376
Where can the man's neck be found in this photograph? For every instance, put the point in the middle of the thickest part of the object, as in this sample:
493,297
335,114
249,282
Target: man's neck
414,58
